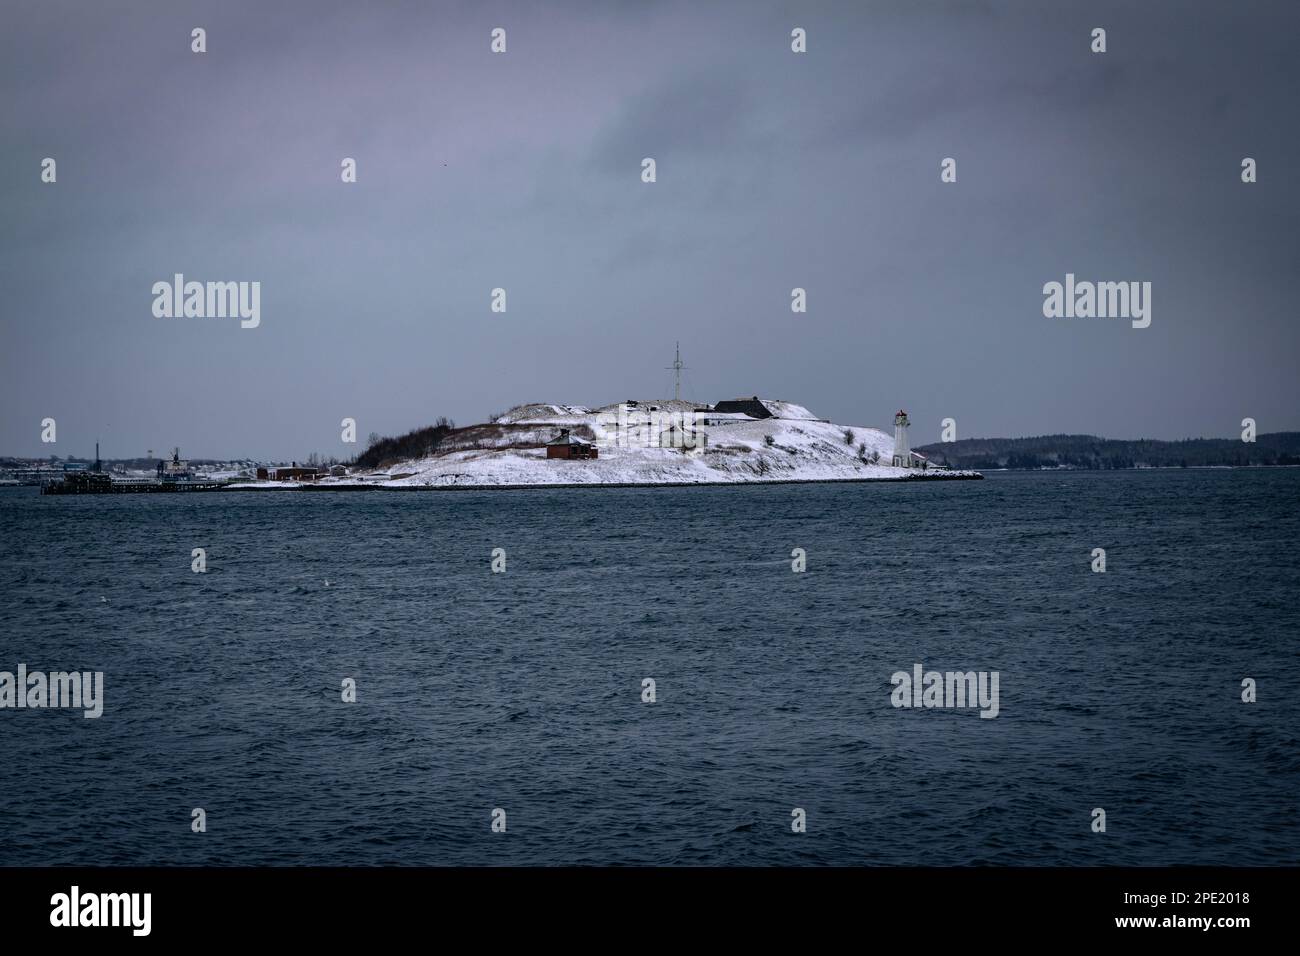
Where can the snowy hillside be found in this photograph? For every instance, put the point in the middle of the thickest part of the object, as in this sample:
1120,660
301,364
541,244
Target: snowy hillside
630,438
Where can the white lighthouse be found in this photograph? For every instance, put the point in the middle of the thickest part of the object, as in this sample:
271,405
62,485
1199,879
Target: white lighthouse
902,450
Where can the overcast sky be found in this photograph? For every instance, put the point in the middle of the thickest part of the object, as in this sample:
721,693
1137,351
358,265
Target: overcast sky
522,170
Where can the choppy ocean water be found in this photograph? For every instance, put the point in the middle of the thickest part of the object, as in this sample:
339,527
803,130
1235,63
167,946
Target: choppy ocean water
522,690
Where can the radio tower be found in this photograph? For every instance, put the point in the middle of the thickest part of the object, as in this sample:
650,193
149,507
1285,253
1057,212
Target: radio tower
676,368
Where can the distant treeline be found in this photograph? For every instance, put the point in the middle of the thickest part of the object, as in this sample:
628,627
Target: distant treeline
420,443
1091,452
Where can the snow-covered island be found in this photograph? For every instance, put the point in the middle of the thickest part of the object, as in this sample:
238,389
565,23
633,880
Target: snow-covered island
647,442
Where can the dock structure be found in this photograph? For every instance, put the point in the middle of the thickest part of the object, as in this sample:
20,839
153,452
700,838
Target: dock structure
173,476
90,483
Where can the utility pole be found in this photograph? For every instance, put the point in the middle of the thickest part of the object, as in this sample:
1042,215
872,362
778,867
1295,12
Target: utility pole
677,367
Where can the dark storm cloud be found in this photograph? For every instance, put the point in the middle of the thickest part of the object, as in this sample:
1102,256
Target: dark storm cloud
523,171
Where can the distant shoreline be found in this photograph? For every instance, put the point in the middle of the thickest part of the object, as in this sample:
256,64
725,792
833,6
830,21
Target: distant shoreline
1091,453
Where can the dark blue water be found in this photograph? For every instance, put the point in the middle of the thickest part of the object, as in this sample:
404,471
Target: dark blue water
522,690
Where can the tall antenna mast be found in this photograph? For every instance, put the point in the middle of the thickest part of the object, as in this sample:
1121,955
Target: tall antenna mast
676,368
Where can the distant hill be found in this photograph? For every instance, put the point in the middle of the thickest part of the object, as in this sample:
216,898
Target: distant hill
1091,452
